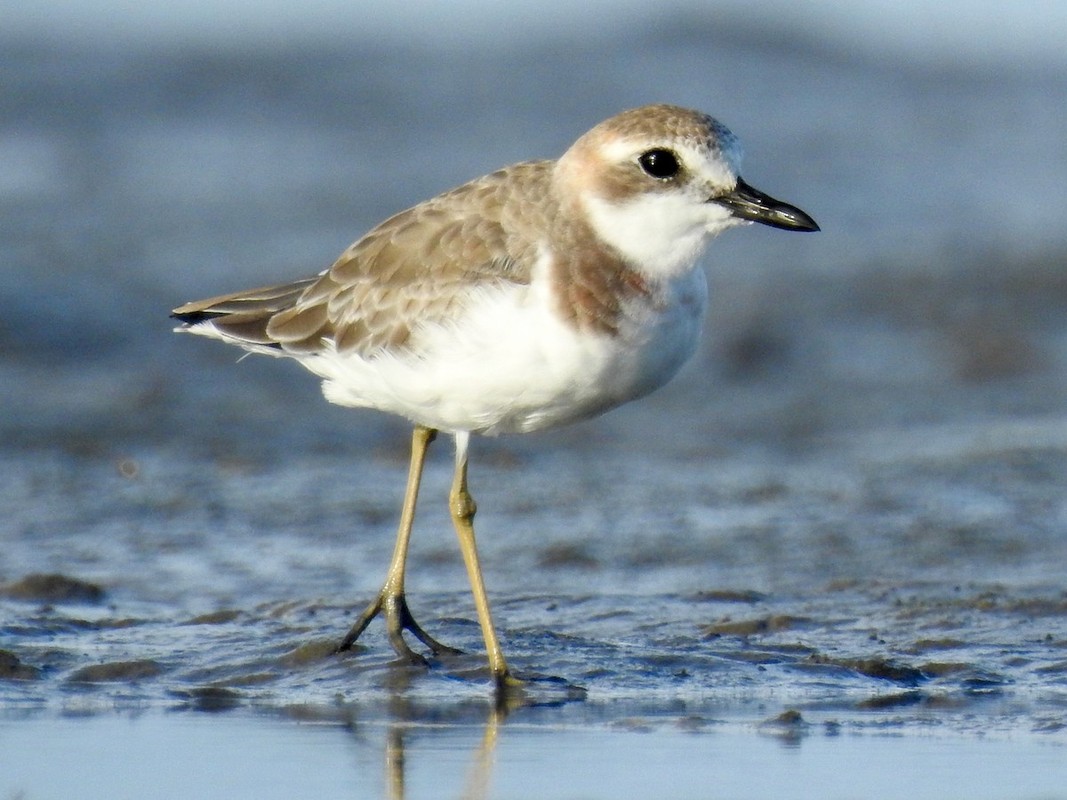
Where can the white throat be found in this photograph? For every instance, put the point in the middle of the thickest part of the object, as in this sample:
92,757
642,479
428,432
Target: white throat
661,234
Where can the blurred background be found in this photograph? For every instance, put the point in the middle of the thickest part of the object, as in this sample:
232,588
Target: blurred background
152,154
155,153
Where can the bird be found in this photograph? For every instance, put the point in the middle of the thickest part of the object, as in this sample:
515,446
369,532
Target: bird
541,294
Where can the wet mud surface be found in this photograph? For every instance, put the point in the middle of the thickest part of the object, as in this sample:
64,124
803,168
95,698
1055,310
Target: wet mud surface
981,660
831,599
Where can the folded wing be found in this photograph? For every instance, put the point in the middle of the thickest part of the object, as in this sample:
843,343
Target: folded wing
416,268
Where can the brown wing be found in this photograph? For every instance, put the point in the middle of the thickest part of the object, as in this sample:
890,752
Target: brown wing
414,268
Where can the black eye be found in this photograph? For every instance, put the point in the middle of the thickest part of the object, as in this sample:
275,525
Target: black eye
659,163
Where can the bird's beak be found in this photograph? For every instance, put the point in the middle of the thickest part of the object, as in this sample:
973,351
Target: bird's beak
744,202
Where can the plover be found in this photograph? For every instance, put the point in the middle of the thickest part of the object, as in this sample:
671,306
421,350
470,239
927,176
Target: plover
544,293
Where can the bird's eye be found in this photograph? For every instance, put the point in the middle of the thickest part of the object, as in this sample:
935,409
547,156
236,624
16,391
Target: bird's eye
659,163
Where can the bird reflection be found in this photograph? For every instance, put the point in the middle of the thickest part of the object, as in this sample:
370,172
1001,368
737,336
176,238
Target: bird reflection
479,773
412,714
410,718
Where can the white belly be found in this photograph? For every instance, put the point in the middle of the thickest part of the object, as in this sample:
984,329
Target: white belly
512,364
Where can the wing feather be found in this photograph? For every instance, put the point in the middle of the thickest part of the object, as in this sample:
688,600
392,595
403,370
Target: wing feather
411,270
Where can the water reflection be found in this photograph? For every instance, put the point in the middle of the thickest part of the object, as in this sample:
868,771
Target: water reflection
438,749
479,773
477,785
453,726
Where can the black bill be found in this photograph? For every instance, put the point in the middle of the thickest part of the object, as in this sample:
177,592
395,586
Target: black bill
744,202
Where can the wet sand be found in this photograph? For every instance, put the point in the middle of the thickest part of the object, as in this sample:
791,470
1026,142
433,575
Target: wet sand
906,595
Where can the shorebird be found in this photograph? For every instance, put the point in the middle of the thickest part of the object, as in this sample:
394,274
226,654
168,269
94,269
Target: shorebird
544,293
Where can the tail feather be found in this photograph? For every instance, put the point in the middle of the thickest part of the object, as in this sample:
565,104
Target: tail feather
243,316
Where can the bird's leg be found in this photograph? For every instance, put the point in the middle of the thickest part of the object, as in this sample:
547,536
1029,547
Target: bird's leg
390,600
461,504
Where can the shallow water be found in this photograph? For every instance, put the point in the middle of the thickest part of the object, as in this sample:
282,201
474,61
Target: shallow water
468,756
832,553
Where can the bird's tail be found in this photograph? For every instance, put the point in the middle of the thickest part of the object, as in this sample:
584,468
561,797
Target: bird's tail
241,317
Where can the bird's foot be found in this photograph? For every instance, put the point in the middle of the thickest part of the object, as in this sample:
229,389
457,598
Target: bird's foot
398,618
530,689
